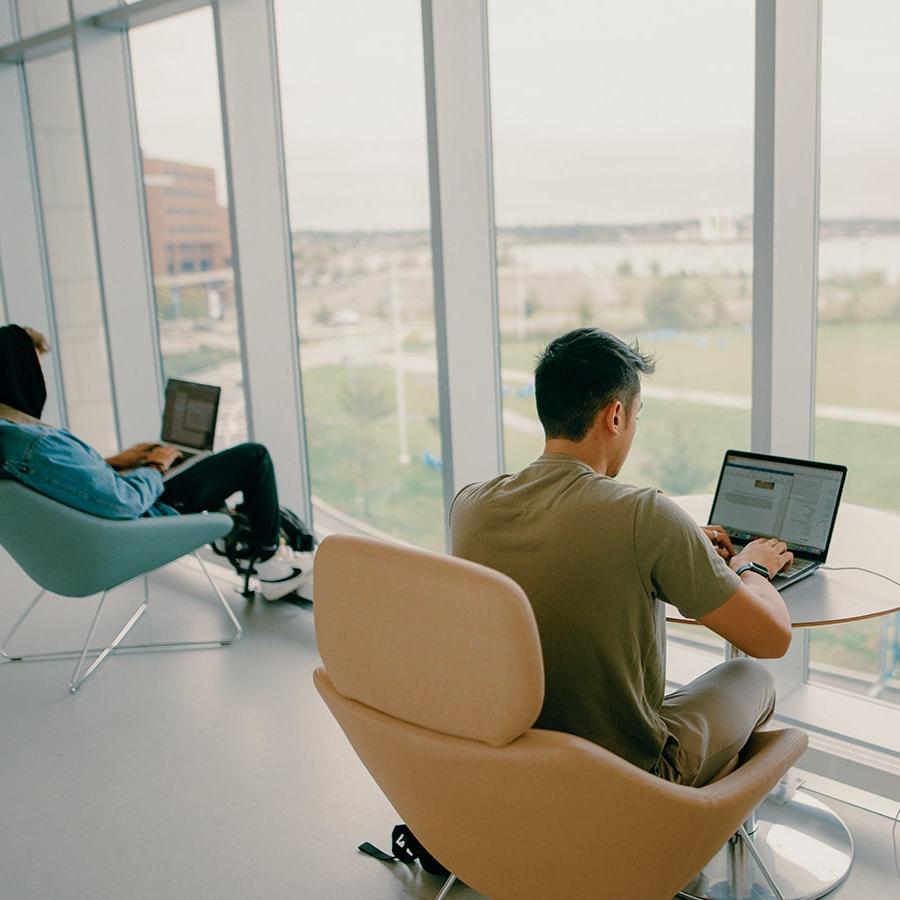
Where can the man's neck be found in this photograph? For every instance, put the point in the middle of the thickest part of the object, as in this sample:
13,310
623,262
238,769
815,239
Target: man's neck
11,414
586,451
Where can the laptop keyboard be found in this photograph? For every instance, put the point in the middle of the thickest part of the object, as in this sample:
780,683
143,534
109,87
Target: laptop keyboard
185,456
795,568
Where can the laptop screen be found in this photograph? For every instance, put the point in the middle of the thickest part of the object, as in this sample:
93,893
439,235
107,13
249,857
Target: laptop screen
190,415
769,496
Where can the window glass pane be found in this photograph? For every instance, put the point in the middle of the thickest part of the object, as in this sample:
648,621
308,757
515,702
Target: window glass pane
68,229
858,364
39,15
176,90
624,186
623,167
355,144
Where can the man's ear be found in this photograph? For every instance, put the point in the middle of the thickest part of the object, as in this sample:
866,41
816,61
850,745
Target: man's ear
613,417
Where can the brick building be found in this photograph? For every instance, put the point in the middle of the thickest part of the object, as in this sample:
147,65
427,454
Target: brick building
188,227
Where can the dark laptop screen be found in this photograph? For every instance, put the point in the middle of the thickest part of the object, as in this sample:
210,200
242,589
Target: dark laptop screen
190,414
768,496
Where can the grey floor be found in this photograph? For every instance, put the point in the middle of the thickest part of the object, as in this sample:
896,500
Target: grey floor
212,773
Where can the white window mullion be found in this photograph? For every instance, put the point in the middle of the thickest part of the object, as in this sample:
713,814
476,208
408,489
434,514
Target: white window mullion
785,225
26,278
785,235
263,263
462,216
117,193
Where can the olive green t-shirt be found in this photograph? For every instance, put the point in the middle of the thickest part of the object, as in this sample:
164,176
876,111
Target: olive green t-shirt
596,559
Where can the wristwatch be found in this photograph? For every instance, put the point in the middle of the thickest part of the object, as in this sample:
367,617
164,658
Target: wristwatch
753,567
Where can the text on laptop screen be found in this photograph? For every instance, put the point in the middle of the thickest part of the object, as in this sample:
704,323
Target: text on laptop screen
765,498
190,414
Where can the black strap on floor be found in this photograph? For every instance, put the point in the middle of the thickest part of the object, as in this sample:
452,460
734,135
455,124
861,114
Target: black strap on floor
405,848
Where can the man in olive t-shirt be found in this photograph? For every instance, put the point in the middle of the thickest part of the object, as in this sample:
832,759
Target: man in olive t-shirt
597,559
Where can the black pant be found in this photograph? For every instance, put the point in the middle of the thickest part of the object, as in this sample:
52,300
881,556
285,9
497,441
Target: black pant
207,484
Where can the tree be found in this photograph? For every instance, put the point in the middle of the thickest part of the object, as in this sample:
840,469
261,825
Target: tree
585,309
668,306
624,269
674,465
322,315
367,401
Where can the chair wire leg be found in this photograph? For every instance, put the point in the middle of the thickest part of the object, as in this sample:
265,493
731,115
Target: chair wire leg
11,656
78,680
446,888
238,631
748,843
101,653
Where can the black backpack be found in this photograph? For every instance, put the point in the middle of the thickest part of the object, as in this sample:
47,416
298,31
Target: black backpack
236,545
406,848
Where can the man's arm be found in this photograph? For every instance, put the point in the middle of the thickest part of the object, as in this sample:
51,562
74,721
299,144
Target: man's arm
755,618
68,470
131,458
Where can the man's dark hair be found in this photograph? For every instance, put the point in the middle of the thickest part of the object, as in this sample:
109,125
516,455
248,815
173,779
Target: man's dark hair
582,372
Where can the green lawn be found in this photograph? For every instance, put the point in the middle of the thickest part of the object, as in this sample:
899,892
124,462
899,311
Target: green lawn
858,364
354,449
679,447
712,359
177,365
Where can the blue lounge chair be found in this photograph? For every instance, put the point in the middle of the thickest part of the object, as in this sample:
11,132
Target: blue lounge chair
91,555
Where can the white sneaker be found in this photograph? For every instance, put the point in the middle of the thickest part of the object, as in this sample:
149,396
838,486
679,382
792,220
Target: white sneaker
278,578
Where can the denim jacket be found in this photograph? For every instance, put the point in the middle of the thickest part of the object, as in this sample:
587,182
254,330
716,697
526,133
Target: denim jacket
59,465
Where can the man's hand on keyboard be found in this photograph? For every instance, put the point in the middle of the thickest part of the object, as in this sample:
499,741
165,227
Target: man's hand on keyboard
771,553
720,540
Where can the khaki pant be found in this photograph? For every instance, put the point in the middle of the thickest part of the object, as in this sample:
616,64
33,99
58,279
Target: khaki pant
711,719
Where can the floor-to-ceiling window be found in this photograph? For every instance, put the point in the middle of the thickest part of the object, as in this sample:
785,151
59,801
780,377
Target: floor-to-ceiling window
355,147
176,87
858,353
623,160
623,165
64,190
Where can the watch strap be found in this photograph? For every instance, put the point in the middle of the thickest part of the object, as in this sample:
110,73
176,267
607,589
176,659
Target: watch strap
753,567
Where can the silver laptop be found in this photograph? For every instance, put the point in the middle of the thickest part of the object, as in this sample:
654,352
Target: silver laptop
794,500
189,422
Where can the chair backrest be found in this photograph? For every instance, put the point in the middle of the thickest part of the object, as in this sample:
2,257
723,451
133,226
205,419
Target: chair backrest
465,633
433,670
75,554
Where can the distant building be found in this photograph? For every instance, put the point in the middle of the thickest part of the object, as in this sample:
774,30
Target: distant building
188,228
717,223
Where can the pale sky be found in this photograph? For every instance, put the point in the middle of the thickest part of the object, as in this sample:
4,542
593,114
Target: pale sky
603,110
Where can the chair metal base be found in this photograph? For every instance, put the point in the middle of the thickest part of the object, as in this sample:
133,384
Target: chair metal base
451,879
800,850
100,654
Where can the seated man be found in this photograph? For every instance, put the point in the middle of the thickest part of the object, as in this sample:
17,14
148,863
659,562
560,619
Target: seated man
597,559
130,484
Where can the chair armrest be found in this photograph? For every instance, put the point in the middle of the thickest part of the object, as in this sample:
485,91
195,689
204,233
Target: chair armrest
766,758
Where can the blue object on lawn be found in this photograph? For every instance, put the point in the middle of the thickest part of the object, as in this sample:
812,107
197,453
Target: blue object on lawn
432,461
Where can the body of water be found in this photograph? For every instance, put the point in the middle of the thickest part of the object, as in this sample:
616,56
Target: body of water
842,255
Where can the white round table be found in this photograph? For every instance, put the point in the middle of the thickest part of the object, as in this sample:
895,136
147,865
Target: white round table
805,846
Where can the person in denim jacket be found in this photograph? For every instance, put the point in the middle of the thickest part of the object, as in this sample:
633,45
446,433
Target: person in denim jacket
130,484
